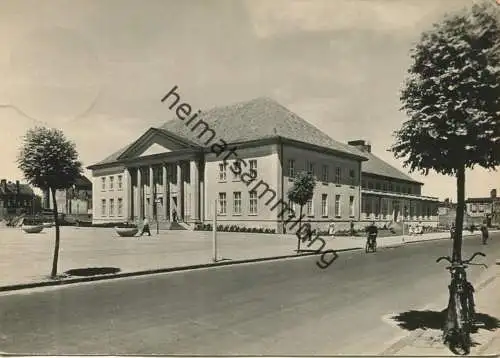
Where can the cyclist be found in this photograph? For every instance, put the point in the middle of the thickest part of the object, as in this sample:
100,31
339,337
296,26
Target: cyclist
372,233
484,233
452,231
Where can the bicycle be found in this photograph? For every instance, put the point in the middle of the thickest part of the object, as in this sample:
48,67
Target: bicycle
461,307
371,243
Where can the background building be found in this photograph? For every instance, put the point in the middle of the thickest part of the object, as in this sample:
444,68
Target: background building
17,198
73,201
484,209
390,196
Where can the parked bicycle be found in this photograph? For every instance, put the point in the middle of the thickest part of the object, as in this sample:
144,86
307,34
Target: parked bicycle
460,312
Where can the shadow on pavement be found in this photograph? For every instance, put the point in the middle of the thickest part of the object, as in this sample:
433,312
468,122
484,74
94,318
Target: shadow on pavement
413,320
92,271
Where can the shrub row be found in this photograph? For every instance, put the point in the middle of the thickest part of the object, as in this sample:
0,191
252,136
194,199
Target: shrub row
234,228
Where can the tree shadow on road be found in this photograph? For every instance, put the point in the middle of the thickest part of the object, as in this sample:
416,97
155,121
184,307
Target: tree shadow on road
92,271
413,320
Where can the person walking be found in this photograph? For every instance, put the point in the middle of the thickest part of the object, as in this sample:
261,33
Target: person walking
484,233
145,227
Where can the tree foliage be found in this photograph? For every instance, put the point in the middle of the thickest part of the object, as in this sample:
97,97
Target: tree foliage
48,159
452,95
303,188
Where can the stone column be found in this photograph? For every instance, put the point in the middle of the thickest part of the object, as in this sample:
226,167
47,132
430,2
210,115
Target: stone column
129,189
151,192
180,192
166,190
138,194
195,190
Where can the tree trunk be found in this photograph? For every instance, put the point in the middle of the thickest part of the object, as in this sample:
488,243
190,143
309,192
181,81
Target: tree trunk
459,220
53,274
300,228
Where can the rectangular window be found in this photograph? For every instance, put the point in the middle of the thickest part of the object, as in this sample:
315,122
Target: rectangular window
237,170
398,189
103,207
351,206
222,171
481,208
253,202
253,168
325,174
370,185
377,186
237,203
103,183
111,207
310,168
363,183
111,183
384,186
120,206
291,168
337,205
390,187
120,182
352,177
222,204
338,175
309,208
324,204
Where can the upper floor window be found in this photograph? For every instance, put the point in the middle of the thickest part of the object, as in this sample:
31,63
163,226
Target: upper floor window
352,176
222,171
338,175
377,186
325,173
103,183
291,168
237,169
253,168
310,168
120,182
370,185
111,183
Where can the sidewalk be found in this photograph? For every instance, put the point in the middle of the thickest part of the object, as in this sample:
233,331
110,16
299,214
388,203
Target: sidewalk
27,258
428,342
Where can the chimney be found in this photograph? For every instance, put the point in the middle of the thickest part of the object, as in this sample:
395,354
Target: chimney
493,193
361,145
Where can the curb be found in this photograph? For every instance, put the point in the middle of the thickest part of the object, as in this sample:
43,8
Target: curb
396,347
69,281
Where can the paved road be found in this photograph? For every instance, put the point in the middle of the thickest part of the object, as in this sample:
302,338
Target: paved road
274,308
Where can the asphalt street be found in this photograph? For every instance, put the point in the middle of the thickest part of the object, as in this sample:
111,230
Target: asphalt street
285,307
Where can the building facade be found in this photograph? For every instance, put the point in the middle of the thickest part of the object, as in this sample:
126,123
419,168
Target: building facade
76,200
241,158
166,174
16,198
485,209
390,196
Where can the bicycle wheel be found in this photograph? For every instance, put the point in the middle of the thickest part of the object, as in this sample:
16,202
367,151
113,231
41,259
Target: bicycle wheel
367,247
374,246
462,335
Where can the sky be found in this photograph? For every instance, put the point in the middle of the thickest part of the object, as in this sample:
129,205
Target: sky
97,69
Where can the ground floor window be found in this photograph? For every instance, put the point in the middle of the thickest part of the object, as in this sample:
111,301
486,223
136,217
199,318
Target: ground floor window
253,202
337,206
237,203
222,204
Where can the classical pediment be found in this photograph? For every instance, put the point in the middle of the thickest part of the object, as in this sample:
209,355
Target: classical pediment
155,141
154,148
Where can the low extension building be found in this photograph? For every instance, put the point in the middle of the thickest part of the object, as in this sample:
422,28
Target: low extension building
389,195
242,157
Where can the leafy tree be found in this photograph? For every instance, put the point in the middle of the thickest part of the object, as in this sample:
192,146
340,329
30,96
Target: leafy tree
452,97
49,161
301,192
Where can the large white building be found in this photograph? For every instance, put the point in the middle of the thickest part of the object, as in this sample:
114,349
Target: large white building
243,156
